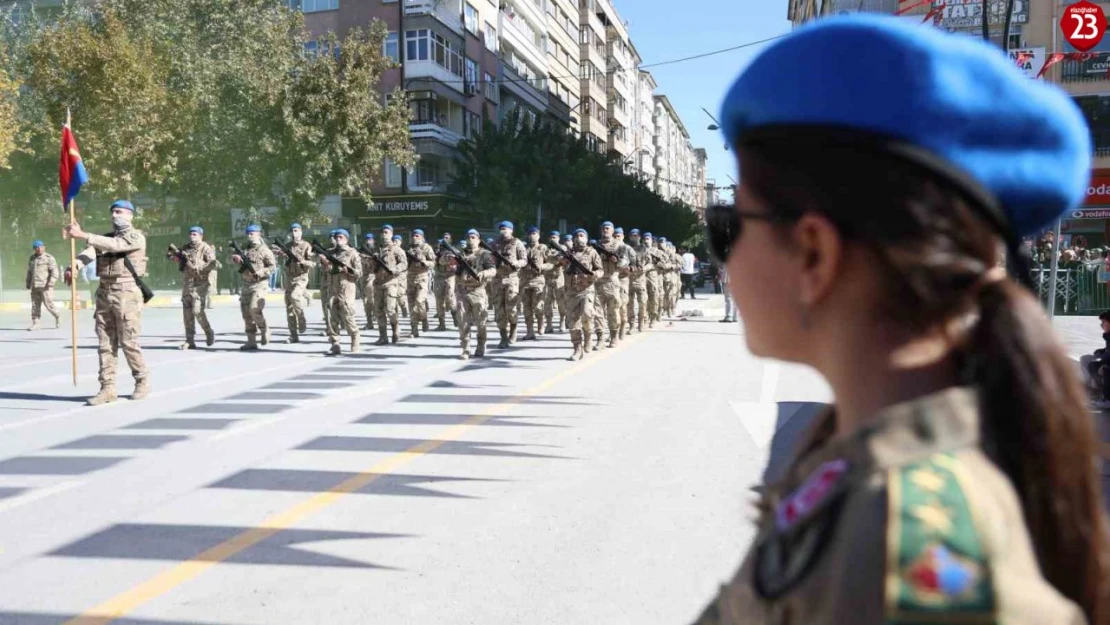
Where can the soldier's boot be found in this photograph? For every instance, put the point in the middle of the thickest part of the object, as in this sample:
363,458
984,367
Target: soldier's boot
481,350
356,344
424,323
455,319
265,335
106,395
441,325
34,325
302,323
512,332
142,389
504,343
577,353
548,329
395,327
293,337
334,350
415,329
600,339
640,324
614,340
209,337
383,339
188,344
250,345
57,321
586,343
465,355
404,312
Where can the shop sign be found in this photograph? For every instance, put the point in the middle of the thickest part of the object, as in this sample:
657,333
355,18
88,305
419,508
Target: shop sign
962,14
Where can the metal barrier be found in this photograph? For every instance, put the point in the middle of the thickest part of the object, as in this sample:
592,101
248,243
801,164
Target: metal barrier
1081,290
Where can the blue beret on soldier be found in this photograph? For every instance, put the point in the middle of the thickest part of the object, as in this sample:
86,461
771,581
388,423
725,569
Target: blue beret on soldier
553,233
634,231
472,231
934,100
387,227
122,204
343,231
295,226
606,224
532,229
580,230
568,236
618,231
36,244
418,231
505,224
253,228
397,237
369,236
196,229
647,235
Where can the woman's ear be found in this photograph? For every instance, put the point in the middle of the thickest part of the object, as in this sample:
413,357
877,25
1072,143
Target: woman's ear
819,253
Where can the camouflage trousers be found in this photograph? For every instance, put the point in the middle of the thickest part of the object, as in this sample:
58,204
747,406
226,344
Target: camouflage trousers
417,295
654,296
193,301
296,301
622,309
252,300
666,304
369,307
342,308
637,302
446,300
325,298
118,320
554,297
609,296
474,312
531,297
580,312
387,296
506,296
40,298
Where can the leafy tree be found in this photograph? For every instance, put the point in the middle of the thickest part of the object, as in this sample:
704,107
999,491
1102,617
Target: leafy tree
9,128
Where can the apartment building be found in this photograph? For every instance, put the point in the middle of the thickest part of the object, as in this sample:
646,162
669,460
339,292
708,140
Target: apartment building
642,160
676,166
593,58
563,54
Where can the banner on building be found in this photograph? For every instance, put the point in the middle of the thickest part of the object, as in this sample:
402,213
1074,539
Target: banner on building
1086,64
1029,60
962,14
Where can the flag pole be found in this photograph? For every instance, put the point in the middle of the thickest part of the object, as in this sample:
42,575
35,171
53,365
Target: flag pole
72,283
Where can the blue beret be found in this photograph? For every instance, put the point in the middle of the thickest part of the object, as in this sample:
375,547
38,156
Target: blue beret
36,243
296,226
951,103
606,223
472,231
592,241
489,239
647,235
532,229
368,235
634,231
397,237
387,227
505,224
568,236
122,204
196,229
254,228
343,231
553,233
618,231
662,239
333,231
418,231
579,230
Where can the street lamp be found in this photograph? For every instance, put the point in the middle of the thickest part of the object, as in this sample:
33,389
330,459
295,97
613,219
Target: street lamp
716,125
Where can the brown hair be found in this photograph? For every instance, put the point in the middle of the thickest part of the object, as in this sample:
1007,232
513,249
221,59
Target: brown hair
934,247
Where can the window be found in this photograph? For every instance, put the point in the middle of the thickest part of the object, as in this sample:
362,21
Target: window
310,49
390,47
471,85
423,111
473,125
491,37
492,93
1096,109
416,45
427,173
470,18
392,174
313,6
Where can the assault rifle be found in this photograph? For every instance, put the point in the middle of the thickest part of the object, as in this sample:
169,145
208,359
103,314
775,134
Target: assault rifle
369,253
612,255
574,262
501,260
452,250
245,265
287,252
336,264
172,253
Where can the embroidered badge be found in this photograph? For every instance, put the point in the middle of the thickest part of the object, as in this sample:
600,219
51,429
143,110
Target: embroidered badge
811,493
935,560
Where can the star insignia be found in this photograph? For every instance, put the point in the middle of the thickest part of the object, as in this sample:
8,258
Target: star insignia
935,517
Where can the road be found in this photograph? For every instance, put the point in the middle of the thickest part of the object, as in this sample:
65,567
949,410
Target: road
399,485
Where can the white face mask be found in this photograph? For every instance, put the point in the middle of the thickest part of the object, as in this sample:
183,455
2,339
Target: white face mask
297,235
120,223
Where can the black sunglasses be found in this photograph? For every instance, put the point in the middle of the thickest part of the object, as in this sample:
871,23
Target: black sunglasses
724,225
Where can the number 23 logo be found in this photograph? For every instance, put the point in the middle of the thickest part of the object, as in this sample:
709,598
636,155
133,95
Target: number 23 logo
1083,24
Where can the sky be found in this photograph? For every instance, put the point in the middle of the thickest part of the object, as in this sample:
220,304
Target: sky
663,30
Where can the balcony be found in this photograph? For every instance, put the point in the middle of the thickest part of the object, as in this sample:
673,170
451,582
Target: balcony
513,82
434,132
449,12
1093,69
430,69
532,12
523,39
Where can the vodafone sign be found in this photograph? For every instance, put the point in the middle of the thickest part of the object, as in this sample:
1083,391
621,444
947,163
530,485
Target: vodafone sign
1098,192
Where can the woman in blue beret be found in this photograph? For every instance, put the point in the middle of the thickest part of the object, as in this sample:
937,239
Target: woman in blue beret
885,168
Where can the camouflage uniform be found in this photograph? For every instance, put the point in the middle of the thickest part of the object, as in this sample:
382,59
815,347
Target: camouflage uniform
625,276
506,287
675,280
533,287
342,284
296,287
119,306
638,287
908,521
388,289
553,293
473,298
580,298
609,286
197,262
421,259
42,273
443,287
259,263
369,277
655,282
324,296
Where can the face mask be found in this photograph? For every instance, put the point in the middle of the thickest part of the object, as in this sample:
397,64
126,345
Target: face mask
579,244
120,223
297,235
253,238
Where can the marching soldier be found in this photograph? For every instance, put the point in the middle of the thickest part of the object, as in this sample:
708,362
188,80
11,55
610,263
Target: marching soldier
444,287
196,261
655,264
421,259
676,277
42,273
255,268
637,286
614,262
506,285
296,281
369,276
553,284
324,296
625,275
120,264
667,290
580,292
388,284
599,319
342,282
473,298
533,285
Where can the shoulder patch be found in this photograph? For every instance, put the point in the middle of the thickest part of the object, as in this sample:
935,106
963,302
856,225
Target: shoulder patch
936,565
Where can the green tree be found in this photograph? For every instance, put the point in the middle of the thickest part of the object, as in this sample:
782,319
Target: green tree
9,123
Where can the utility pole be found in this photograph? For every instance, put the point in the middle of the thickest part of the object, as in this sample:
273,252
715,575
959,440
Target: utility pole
401,45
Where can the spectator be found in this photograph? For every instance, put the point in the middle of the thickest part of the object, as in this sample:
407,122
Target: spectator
689,271
1094,367
88,274
722,279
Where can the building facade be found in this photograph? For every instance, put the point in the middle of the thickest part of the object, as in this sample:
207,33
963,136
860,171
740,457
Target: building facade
675,162
642,161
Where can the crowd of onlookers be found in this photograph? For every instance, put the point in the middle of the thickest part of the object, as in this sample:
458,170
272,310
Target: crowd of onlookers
1040,251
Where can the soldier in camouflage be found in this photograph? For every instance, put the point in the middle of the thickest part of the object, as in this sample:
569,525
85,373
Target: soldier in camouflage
421,259
532,283
554,284
324,298
473,297
389,284
614,261
656,268
369,276
580,293
625,275
296,282
196,261
600,327
638,281
342,284
255,268
42,273
506,284
443,287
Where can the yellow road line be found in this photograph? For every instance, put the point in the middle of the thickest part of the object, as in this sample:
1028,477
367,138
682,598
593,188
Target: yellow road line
126,602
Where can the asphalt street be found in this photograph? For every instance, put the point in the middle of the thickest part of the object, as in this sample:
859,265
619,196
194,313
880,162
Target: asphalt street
398,485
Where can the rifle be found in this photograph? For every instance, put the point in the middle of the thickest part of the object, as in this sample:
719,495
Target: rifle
369,253
451,249
532,261
336,264
575,264
286,251
172,253
612,255
244,266
497,255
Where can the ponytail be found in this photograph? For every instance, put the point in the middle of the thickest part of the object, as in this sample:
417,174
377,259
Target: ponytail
1036,426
